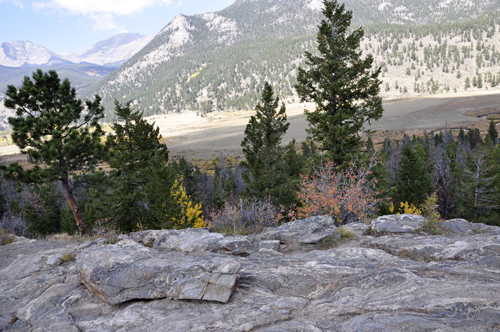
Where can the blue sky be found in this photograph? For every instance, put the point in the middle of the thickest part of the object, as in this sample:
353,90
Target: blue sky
75,25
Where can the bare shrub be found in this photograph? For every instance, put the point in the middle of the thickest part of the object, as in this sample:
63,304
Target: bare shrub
244,216
14,224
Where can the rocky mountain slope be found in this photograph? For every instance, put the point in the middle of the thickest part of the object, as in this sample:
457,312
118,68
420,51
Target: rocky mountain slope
113,51
25,53
110,52
220,60
394,279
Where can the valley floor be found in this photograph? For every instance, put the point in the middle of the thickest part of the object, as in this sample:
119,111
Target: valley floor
218,133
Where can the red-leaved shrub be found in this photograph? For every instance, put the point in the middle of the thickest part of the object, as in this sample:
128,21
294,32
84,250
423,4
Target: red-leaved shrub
348,195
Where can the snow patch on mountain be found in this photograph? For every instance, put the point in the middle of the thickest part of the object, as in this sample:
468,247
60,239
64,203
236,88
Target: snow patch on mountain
115,50
315,5
21,53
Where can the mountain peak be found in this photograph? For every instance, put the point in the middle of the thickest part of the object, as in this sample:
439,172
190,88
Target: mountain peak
24,53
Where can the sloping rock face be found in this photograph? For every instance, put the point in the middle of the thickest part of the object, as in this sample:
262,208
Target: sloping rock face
128,271
394,282
307,231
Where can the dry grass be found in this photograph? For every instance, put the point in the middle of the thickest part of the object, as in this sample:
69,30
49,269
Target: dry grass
62,238
484,112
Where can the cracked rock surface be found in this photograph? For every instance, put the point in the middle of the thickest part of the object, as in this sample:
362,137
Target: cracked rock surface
394,282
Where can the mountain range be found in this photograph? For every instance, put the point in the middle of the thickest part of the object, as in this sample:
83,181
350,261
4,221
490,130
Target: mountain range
110,52
220,60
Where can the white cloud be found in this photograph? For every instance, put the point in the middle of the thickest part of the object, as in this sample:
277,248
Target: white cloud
18,3
88,7
102,12
105,22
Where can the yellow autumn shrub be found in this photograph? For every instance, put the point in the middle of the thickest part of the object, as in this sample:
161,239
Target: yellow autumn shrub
190,215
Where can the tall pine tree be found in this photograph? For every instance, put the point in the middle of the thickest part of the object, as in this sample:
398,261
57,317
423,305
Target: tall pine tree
55,129
271,168
133,146
342,84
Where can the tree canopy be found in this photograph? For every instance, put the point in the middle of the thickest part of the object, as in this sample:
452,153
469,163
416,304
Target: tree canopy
56,130
341,83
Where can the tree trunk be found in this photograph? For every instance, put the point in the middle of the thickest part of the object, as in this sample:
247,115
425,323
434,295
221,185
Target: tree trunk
74,207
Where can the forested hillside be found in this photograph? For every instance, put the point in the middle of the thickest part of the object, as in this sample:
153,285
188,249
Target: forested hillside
221,60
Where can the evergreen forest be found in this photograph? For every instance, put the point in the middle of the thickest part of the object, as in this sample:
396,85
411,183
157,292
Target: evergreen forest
82,180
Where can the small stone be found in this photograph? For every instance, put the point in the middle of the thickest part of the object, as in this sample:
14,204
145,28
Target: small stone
54,260
270,244
423,233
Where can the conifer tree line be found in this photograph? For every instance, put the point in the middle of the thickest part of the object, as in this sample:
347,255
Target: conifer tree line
333,172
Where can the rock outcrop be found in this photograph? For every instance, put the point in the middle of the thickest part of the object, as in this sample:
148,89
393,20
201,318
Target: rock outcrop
397,223
390,282
129,271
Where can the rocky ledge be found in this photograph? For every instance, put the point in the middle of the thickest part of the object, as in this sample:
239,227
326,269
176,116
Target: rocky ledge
388,277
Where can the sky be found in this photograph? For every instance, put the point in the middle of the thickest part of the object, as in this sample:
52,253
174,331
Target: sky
75,25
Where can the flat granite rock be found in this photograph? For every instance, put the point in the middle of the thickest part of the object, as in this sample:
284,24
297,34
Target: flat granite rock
185,240
308,231
126,271
462,226
397,223
477,247
393,282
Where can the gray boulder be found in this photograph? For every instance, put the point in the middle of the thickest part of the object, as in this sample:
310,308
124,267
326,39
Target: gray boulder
185,240
128,270
308,231
397,223
462,226
440,247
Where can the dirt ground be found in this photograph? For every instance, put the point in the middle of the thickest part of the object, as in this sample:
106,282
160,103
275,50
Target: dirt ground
195,137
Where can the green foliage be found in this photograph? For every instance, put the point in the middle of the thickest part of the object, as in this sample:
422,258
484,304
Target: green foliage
272,170
345,233
68,221
133,146
478,190
189,175
43,215
6,237
430,211
168,204
414,183
52,128
67,257
493,132
342,84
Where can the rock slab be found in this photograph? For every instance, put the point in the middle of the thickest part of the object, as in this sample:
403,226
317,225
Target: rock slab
307,231
127,271
397,223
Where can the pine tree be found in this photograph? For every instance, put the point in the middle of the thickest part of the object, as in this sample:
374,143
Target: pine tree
342,84
55,129
492,130
268,172
369,145
133,145
414,183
